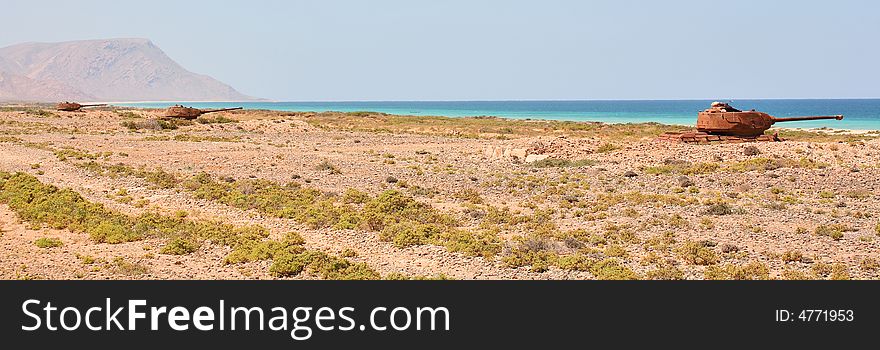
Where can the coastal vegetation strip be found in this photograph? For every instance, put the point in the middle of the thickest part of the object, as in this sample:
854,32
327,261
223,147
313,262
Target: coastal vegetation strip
463,127
42,204
478,127
503,128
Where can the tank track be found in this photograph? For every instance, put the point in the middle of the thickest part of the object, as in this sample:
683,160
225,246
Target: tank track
699,137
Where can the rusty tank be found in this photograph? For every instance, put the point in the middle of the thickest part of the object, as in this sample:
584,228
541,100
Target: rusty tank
73,106
724,123
182,112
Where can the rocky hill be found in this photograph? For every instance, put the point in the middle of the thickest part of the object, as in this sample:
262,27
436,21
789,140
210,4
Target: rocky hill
105,70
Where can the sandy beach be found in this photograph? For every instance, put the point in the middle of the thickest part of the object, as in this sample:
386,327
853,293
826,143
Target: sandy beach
457,198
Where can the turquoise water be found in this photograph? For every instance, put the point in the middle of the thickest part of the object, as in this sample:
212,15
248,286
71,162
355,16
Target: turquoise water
860,114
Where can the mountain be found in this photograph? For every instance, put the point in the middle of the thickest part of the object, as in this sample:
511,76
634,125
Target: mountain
15,87
103,70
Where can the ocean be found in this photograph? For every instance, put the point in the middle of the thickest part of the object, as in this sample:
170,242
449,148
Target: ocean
859,114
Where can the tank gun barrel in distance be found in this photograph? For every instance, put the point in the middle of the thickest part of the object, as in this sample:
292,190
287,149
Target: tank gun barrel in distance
73,106
815,117
220,110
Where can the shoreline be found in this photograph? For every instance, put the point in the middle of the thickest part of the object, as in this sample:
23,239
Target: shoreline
815,130
827,130
683,113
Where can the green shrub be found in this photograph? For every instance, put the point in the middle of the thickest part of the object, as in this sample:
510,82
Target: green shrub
396,276
478,243
821,269
611,269
410,234
666,273
353,196
835,231
751,271
39,113
287,265
113,232
719,208
256,250
606,147
539,261
170,125
65,153
576,262
48,242
192,138
869,264
393,206
840,272
792,256
123,267
697,253
149,124
161,178
86,259
321,264
615,250
794,275
348,253
470,195
826,194
216,120
562,163
534,251
179,246
539,254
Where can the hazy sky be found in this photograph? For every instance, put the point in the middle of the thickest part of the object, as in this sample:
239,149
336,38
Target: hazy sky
491,50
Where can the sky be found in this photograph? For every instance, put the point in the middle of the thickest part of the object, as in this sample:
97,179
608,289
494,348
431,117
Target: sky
491,50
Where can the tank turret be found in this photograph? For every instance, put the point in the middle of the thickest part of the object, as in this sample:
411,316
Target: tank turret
73,106
725,124
182,112
722,119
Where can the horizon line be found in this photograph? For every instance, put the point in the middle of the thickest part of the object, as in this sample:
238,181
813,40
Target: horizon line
500,100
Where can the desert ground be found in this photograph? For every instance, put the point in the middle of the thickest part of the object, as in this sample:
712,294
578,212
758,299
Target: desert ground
113,193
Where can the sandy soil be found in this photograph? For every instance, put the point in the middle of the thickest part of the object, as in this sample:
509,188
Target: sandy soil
771,203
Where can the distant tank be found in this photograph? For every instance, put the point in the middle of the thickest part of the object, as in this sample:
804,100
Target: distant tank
723,123
73,106
182,112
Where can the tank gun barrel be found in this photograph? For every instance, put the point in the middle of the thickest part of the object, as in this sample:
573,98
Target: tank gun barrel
815,117
95,105
221,110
